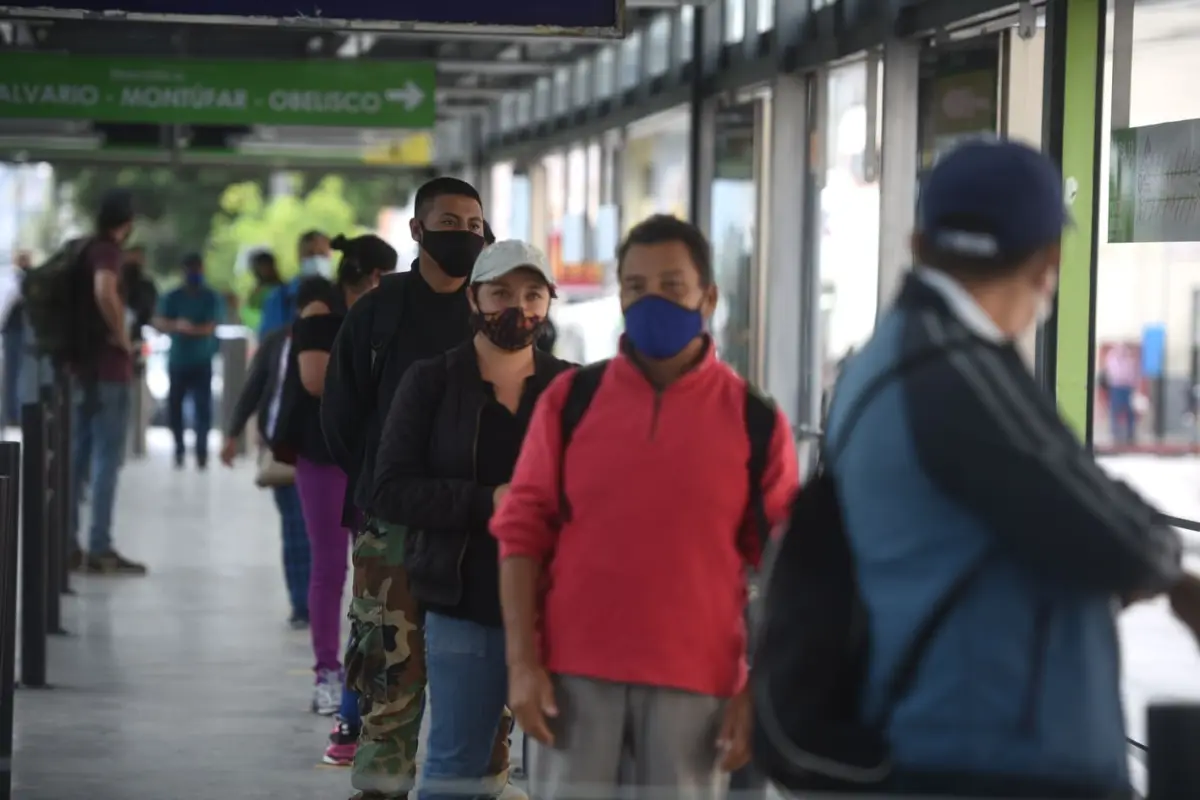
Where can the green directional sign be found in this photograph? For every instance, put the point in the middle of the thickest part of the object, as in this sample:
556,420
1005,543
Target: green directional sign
350,93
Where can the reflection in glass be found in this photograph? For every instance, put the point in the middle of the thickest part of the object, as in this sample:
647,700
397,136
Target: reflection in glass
734,207
631,54
735,21
849,244
658,39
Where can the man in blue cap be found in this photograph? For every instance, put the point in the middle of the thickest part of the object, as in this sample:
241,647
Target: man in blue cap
962,490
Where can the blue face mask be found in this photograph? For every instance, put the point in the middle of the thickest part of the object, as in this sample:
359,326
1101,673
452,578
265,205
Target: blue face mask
658,328
194,279
317,265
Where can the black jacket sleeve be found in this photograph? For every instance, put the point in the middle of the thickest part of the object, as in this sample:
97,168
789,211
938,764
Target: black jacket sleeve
257,379
989,437
349,396
405,491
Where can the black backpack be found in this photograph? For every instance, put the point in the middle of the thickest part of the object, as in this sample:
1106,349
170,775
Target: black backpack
760,420
392,290
812,647
60,305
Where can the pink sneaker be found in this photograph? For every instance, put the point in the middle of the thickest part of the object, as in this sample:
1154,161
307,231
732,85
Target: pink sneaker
343,742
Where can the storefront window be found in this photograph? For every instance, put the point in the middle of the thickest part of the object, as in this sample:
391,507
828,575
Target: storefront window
631,64
849,244
658,56
735,21
734,233
1148,270
687,31
655,167
500,203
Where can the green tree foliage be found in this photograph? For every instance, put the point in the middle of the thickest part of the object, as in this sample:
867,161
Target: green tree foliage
247,221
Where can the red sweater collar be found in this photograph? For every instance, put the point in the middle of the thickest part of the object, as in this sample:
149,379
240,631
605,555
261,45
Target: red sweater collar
700,372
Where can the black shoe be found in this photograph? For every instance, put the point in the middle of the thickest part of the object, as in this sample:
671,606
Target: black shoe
298,622
179,461
112,563
201,464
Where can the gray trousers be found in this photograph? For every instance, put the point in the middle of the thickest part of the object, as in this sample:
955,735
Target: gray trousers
621,740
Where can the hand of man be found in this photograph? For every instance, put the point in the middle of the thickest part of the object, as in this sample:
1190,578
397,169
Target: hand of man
229,451
185,327
1185,602
531,698
498,495
733,742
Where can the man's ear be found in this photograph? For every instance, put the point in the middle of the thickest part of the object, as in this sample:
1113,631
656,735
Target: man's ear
414,228
708,306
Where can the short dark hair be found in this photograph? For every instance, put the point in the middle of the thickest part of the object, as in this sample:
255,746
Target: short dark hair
664,228
442,187
116,210
263,257
315,288
192,261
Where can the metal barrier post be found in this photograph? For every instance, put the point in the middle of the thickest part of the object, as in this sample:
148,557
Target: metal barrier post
34,566
8,628
51,415
234,363
61,478
1174,734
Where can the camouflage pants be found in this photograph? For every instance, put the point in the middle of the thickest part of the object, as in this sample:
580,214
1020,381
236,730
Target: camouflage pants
385,664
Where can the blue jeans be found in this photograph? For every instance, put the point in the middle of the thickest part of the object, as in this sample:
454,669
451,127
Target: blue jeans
194,380
14,358
99,426
297,561
468,686
1124,418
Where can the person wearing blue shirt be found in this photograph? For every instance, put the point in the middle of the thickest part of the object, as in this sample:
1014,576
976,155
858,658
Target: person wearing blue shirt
190,314
279,309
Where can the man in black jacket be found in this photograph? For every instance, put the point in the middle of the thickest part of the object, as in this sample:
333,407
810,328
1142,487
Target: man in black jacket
411,316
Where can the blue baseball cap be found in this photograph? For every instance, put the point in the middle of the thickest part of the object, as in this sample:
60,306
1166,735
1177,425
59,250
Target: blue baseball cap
992,200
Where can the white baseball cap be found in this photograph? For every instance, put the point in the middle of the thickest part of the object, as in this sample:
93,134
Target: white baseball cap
501,258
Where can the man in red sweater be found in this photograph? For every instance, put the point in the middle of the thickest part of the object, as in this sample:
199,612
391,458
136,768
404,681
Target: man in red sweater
624,621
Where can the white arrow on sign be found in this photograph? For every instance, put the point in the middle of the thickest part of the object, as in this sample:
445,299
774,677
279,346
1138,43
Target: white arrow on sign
411,95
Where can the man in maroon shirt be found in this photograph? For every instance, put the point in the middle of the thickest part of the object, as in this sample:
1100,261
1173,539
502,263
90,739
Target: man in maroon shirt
101,405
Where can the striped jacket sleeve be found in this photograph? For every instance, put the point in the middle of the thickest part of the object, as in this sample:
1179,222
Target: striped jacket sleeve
991,439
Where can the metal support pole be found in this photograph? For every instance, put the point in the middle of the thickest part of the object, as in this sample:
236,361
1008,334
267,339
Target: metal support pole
8,628
1174,732
33,548
62,481
55,558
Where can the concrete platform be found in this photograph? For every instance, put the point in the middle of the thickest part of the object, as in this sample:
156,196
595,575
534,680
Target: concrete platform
188,685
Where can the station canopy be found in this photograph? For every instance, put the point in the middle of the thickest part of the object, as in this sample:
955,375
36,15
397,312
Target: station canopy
233,81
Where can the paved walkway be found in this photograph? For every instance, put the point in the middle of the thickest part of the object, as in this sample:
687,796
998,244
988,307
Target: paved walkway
188,685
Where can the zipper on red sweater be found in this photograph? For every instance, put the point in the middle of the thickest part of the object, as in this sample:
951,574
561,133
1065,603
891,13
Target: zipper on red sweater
658,398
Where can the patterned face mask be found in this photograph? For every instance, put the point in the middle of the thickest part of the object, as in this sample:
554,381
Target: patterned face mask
509,329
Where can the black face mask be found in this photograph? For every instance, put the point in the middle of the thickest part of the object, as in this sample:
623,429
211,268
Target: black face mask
454,251
509,329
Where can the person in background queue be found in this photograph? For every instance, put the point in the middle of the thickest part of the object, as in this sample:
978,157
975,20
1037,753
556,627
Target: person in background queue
627,551
262,380
14,343
100,407
446,456
265,269
322,483
190,315
409,317
1010,523
279,307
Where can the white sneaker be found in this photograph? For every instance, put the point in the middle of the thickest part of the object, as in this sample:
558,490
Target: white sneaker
327,694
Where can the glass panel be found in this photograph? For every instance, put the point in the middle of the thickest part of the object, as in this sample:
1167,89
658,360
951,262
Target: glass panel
500,200
606,61
734,207
541,98
524,108
766,15
658,38
508,112
735,21
687,32
583,83
849,246
562,90
631,52
1148,265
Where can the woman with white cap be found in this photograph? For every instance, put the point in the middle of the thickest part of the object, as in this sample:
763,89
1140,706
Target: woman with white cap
448,450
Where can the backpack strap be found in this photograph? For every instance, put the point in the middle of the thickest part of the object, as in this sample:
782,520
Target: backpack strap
760,430
385,321
584,384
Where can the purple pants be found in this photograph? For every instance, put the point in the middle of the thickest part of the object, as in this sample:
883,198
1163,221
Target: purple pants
322,489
